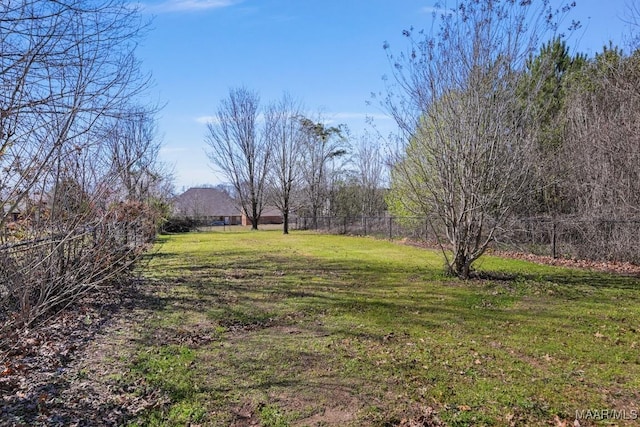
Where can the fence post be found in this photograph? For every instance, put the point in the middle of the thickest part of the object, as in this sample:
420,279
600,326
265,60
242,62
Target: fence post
390,228
364,224
426,229
553,241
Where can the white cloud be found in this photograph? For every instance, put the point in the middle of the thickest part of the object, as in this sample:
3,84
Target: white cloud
436,10
429,9
357,116
168,6
205,120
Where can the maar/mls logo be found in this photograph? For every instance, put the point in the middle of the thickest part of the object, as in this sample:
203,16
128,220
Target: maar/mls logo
607,414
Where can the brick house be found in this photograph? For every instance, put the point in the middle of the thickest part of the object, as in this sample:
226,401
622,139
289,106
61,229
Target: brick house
212,206
207,206
269,215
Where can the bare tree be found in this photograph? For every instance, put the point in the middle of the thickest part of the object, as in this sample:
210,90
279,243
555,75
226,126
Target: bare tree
370,168
239,149
285,134
549,75
356,179
632,18
64,66
321,145
467,135
132,150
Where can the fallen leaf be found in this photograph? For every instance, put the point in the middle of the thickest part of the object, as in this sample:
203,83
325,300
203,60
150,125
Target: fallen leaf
558,422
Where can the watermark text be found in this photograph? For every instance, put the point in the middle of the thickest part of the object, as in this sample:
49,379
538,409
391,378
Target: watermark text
607,414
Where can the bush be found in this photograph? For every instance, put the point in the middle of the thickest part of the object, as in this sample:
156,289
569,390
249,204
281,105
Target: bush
179,225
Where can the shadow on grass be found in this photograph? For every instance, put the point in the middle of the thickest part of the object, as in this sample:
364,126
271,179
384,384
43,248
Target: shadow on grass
599,280
257,292
316,285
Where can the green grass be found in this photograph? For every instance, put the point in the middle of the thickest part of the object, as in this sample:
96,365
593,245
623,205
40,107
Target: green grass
310,329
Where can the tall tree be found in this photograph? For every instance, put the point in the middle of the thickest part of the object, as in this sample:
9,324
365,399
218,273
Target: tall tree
601,112
65,66
549,74
370,170
240,150
632,18
466,154
321,144
132,149
602,152
285,133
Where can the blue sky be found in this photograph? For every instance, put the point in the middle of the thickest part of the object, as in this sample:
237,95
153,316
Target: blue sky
326,53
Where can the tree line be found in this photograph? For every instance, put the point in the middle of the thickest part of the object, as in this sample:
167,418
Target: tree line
81,187
278,156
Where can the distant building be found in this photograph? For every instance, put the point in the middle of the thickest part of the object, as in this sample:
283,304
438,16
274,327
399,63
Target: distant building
212,206
208,206
16,212
269,215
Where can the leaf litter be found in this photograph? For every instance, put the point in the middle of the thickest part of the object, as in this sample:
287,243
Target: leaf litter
63,372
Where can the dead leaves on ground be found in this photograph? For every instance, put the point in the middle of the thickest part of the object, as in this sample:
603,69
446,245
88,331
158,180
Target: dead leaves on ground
624,268
45,382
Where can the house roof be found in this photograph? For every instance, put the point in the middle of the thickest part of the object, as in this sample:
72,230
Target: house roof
206,202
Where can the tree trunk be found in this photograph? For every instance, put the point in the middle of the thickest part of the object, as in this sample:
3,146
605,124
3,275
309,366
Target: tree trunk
285,223
461,265
255,218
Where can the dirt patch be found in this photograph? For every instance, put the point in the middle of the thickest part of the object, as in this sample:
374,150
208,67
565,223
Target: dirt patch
324,404
421,416
315,405
622,400
246,415
196,336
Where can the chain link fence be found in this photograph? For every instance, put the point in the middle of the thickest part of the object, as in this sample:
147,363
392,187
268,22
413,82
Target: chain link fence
567,237
581,238
388,227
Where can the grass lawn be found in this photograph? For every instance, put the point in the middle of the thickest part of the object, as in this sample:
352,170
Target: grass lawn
258,328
